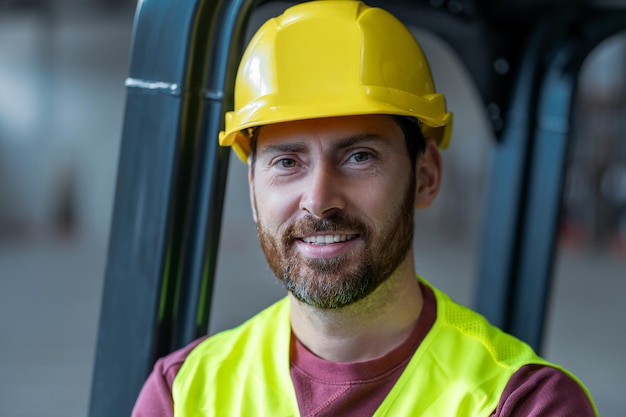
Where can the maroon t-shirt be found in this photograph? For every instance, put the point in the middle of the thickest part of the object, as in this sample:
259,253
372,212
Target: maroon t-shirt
356,389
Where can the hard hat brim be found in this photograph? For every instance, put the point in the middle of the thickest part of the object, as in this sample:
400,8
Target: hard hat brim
430,111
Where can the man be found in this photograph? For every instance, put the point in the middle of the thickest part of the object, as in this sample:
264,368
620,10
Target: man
337,118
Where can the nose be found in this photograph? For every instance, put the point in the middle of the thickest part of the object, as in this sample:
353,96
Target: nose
322,193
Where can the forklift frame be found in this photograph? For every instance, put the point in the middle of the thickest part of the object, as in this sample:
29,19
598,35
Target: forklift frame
172,174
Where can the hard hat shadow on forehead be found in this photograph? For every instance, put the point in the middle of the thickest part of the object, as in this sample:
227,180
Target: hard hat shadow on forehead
331,58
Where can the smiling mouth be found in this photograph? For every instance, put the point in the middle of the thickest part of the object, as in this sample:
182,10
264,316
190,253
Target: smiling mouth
322,240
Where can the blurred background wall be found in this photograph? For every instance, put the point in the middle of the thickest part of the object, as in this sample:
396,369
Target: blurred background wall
62,71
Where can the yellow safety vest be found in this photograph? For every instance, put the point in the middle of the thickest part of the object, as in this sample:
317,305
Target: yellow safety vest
460,369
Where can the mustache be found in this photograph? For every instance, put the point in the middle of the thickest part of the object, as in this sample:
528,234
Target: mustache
334,223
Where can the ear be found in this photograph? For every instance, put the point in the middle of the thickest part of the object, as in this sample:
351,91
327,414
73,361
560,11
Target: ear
428,175
251,189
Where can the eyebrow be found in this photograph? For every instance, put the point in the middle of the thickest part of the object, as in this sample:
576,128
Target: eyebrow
358,139
342,143
295,147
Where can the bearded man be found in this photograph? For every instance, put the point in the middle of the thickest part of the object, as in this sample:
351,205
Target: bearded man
337,118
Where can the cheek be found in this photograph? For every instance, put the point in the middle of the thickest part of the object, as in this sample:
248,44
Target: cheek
381,194
274,207
385,199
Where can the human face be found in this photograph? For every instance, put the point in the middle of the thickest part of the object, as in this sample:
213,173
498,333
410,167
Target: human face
333,202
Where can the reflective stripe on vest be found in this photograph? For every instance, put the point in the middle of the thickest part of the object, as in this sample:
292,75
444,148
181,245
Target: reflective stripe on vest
459,369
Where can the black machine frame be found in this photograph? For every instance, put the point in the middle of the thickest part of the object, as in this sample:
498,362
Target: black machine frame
524,58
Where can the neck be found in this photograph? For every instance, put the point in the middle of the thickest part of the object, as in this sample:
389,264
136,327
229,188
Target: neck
366,329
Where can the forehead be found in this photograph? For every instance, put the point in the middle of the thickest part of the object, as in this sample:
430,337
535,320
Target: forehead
344,130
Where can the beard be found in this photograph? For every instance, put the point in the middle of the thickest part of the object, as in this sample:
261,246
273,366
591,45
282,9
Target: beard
329,283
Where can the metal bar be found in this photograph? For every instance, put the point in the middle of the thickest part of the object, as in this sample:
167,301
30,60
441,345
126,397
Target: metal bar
547,171
506,191
170,190
129,333
134,322
519,235
218,64
540,217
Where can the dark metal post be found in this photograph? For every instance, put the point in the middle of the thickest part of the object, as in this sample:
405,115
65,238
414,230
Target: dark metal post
169,191
222,47
506,190
546,171
523,213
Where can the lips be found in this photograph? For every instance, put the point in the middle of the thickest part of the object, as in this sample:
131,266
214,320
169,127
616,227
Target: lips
325,238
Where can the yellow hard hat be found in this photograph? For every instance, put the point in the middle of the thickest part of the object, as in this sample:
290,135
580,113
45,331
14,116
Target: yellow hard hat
330,58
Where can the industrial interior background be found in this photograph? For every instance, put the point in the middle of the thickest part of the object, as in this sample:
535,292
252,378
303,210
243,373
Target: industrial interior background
62,70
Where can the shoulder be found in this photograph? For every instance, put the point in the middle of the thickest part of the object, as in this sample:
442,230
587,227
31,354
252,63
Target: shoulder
544,391
168,366
155,398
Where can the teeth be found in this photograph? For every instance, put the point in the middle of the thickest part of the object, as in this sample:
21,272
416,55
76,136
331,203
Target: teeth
327,239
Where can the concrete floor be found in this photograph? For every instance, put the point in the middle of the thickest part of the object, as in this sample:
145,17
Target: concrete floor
49,308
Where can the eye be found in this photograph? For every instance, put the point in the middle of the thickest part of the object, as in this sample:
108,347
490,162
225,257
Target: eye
286,163
359,157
